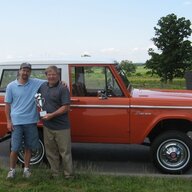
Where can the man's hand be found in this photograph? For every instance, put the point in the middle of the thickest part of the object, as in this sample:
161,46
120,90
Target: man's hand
10,126
47,117
64,83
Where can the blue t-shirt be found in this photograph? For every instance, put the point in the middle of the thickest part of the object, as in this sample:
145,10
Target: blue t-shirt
22,101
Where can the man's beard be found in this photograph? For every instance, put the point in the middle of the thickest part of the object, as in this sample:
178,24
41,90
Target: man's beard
25,77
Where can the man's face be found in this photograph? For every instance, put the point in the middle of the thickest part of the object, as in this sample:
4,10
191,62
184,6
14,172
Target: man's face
52,77
25,73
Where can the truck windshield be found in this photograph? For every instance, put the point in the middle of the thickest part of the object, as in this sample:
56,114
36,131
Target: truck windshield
123,77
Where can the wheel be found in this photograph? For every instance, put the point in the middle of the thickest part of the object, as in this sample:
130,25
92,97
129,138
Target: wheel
172,152
36,156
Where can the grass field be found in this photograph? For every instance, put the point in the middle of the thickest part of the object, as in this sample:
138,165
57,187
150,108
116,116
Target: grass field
143,80
91,182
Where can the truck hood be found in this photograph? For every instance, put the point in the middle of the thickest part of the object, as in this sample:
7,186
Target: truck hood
161,93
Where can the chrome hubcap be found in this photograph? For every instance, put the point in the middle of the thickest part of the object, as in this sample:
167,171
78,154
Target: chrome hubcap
173,154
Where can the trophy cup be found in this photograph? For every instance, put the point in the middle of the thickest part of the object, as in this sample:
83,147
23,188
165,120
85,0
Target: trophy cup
40,102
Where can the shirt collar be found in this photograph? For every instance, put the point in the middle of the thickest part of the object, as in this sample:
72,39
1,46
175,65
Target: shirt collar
19,84
56,84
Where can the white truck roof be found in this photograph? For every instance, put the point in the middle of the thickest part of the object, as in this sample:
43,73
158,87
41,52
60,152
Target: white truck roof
59,62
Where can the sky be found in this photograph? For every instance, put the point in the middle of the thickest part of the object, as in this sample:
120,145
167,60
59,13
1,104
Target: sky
68,29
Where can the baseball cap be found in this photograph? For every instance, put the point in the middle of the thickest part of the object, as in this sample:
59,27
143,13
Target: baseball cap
25,65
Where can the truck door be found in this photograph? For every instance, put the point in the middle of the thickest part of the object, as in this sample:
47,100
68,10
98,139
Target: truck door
99,108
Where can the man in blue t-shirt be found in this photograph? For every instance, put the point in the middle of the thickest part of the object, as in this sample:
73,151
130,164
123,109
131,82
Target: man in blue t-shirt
22,116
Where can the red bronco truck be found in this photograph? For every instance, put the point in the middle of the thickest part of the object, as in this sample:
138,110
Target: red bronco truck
105,108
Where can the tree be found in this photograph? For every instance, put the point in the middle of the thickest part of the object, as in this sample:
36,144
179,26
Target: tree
128,67
174,54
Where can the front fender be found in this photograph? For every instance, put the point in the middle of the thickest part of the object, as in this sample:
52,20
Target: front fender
143,122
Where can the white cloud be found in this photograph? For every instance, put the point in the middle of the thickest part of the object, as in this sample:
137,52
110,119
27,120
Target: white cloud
139,49
188,2
109,50
136,49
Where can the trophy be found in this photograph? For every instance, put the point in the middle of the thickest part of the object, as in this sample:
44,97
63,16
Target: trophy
40,103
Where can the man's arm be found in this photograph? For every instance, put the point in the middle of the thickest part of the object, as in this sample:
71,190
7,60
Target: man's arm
41,81
8,116
60,111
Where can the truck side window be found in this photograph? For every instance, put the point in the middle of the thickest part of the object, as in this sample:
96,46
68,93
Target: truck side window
9,75
87,81
113,88
6,77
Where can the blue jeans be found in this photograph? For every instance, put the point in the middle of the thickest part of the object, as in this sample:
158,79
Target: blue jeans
24,134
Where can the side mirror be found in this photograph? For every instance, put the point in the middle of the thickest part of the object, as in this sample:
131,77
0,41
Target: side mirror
102,94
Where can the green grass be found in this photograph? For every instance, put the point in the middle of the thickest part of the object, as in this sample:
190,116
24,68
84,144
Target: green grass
141,79
151,82
91,182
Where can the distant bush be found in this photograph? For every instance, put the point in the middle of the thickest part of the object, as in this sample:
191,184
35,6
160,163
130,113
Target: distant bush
138,74
128,67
